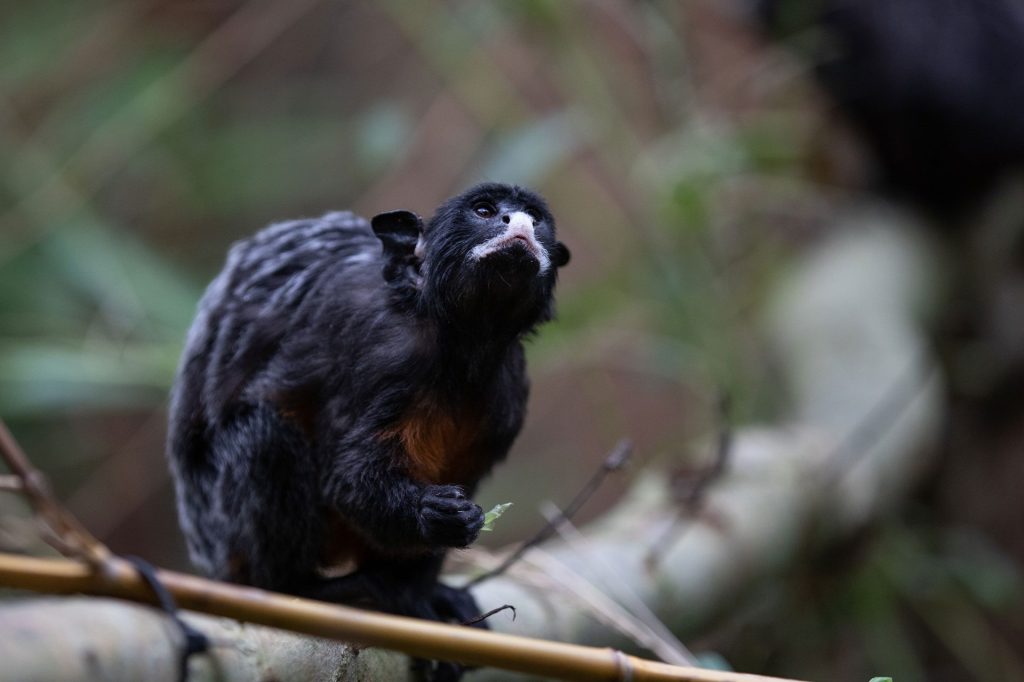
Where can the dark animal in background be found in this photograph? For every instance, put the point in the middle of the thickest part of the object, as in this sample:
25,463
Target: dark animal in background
344,389
935,87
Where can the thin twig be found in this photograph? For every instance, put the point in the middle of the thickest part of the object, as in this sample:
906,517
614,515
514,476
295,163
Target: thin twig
694,499
418,638
878,421
691,502
543,571
615,460
593,599
64,531
659,638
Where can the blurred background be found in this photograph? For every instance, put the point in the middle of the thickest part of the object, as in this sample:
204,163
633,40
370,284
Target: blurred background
691,159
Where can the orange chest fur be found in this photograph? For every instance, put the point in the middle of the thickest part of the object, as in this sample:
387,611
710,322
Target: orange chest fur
440,444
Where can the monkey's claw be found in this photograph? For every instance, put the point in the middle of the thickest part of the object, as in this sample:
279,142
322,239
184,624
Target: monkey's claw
456,605
447,518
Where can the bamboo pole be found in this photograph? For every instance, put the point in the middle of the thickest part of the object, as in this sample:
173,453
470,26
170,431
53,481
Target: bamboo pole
423,639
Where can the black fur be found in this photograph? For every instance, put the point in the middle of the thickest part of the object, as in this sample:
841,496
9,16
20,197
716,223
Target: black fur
935,87
310,350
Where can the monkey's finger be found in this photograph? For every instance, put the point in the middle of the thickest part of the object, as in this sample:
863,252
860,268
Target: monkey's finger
446,491
457,515
473,523
451,530
453,505
448,505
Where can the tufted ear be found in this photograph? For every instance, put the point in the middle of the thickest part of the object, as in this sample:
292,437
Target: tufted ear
560,254
398,231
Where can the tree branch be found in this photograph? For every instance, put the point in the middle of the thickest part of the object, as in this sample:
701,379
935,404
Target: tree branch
415,637
66,533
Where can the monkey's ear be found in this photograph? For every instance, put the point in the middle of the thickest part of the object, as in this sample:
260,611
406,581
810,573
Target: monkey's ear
560,254
398,231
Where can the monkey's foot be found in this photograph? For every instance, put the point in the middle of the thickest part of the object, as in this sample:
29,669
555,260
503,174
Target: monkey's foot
449,605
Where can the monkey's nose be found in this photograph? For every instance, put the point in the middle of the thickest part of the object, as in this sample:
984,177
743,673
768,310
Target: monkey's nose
519,219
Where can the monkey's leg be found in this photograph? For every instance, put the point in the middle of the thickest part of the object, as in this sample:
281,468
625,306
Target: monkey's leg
267,512
401,585
406,586
356,589
412,588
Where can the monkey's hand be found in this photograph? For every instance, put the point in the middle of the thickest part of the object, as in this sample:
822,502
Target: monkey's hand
388,508
447,518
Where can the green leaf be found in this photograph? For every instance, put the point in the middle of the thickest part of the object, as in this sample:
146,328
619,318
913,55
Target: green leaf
492,516
881,679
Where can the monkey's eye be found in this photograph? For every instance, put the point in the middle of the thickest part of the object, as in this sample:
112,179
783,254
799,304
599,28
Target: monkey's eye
534,214
485,209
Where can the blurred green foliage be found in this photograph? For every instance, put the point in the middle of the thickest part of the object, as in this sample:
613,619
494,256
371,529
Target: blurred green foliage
129,170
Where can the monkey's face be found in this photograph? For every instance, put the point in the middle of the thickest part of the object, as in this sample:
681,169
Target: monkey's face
511,231
489,253
493,245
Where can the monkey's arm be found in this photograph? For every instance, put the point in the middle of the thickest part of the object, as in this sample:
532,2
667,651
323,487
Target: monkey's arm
367,483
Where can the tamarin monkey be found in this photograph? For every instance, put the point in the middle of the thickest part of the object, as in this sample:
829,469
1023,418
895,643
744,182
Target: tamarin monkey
344,388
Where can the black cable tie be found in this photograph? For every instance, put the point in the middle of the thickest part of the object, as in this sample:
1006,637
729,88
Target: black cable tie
195,642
